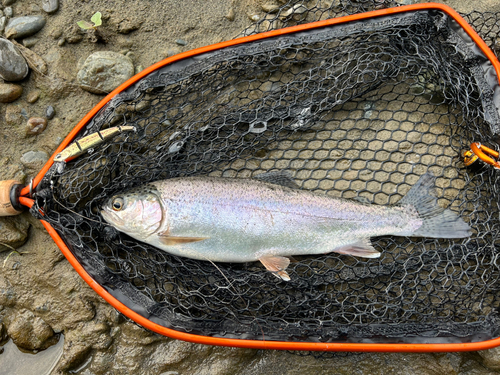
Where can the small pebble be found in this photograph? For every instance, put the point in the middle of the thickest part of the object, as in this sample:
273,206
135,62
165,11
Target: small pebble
9,92
8,2
33,159
32,96
50,112
56,33
22,27
230,15
138,68
3,22
181,42
254,17
1,13
50,6
61,42
36,125
29,42
8,12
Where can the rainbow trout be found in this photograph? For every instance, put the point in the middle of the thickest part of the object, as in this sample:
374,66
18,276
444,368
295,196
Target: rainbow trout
239,220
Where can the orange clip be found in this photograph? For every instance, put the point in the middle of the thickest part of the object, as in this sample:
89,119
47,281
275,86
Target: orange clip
486,154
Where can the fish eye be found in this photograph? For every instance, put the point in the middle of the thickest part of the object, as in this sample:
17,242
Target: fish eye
117,204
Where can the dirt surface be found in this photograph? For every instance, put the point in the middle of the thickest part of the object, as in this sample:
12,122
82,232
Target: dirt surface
42,298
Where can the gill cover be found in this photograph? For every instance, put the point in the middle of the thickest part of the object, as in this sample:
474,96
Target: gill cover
137,212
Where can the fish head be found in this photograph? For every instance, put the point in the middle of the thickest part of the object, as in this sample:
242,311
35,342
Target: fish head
138,213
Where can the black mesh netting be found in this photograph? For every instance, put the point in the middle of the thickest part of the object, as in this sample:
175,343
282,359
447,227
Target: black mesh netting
355,110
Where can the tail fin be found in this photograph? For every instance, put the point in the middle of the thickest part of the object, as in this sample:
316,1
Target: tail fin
437,221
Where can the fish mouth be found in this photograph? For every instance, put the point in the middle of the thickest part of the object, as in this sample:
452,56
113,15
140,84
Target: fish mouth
111,218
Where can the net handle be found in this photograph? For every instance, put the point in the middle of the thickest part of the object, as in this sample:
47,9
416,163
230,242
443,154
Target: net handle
273,33
7,190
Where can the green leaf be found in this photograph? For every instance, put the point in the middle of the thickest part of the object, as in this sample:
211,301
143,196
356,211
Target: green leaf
96,18
85,25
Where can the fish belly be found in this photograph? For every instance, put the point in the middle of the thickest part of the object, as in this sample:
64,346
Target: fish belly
242,221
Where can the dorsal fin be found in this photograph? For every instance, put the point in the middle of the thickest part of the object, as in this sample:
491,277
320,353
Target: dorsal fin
280,177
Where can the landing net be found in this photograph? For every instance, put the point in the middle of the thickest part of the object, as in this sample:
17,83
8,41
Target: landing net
360,109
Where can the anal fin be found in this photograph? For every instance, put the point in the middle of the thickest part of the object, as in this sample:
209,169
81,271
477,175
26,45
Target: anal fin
362,248
277,265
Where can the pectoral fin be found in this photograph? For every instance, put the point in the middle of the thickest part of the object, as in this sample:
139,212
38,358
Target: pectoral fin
167,240
276,265
362,248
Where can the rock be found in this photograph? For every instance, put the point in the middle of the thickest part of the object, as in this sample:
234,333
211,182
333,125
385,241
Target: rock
30,42
30,332
13,232
254,17
22,27
33,96
491,358
129,24
3,22
8,12
50,6
9,92
13,66
230,15
181,42
56,33
34,159
74,354
36,125
50,112
104,71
